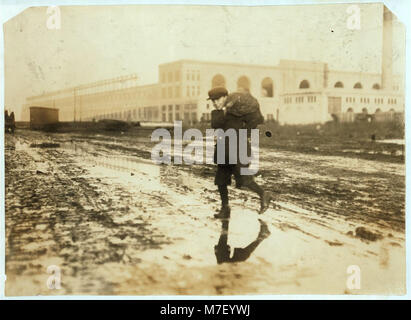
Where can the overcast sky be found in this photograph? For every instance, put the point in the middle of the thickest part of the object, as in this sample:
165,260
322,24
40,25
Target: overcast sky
100,42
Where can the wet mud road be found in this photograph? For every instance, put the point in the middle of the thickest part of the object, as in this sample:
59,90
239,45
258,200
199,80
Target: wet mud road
114,223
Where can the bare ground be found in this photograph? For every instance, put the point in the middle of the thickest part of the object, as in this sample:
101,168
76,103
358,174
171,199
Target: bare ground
114,223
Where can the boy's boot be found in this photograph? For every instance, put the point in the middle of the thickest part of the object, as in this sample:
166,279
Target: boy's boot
265,201
224,213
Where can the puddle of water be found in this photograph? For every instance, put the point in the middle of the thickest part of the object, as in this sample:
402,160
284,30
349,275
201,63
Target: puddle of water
283,248
114,162
394,141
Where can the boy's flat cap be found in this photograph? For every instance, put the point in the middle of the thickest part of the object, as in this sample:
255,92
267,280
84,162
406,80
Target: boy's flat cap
217,93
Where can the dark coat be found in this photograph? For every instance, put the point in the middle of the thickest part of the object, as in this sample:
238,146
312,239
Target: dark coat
242,112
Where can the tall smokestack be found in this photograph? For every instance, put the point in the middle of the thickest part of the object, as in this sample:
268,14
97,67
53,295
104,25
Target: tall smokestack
386,68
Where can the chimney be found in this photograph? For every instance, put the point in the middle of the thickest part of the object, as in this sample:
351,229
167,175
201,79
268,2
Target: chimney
386,68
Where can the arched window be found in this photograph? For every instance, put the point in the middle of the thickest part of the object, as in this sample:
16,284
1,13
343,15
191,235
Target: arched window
304,84
350,110
243,84
376,86
267,88
218,81
339,84
364,110
358,85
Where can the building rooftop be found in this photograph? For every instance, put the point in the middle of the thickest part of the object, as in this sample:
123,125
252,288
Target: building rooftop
218,63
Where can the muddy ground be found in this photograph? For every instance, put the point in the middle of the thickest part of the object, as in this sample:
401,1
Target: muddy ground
96,207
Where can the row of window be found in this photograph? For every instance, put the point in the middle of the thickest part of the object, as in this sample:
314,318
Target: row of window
142,112
301,108
180,116
176,107
367,100
193,91
305,85
153,111
358,85
150,114
381,101
288,100
193,75
170,92
365,110
267,84
244,84
178,112
170,76
207,117
174,92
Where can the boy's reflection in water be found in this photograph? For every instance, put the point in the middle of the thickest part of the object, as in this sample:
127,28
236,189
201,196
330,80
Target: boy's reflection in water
222,249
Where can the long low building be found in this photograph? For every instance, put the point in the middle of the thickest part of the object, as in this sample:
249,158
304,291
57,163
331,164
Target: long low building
294,92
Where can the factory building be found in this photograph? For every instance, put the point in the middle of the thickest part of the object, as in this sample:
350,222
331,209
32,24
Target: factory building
292,92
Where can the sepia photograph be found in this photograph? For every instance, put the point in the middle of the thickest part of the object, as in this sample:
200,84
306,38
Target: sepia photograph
205,150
